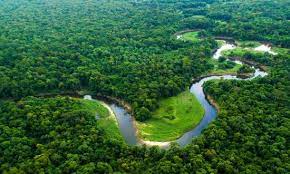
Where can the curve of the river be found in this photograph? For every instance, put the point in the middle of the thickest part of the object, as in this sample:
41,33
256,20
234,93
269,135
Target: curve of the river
127,124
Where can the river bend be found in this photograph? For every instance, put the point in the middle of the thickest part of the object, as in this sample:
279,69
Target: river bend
127,123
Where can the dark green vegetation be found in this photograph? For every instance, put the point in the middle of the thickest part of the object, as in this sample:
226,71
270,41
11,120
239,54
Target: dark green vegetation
38,133
254,121
246,69
126,49
252,20
175,116
116,48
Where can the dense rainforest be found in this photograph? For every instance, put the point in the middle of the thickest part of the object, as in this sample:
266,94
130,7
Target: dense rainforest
127,49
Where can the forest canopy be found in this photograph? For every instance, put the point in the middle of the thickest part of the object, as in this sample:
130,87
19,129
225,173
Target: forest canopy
128,50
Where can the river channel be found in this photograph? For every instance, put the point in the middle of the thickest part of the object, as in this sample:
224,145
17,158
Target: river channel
127,123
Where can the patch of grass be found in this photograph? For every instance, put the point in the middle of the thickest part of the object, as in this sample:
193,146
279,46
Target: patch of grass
239,52
190,36
281,50
175,116
106,121
218,70
220,42
95,108
248,44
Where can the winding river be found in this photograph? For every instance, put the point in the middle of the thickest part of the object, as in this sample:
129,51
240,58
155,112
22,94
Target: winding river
127,123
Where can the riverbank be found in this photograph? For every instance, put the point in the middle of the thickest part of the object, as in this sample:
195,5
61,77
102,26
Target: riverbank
212,102
104,116
249,62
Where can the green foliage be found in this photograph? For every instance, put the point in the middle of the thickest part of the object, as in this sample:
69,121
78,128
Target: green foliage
62,135
222,59
143,114
253,122
252,20
246,69
126,49
37,134
121,49
227,65
248,44
222,66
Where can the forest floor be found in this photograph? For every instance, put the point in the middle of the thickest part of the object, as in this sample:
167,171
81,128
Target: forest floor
105,117
175,116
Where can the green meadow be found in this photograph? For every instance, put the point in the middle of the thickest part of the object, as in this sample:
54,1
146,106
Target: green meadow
220,69
175,116
190,36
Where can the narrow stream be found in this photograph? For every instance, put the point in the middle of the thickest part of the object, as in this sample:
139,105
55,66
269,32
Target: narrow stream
126,122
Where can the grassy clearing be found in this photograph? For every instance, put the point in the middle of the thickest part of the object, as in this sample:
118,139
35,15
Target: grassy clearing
237,52
107,121
191,36
248,44
220,42
175,116
218,70
240,52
